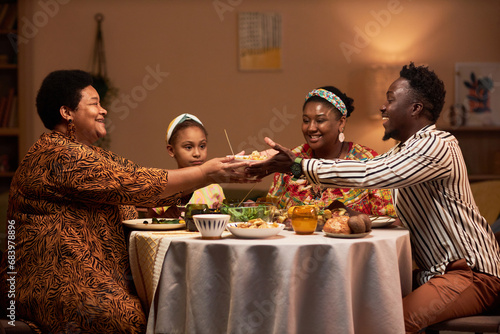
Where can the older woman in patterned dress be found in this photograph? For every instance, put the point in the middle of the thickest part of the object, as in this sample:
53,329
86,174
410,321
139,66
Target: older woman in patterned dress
66,204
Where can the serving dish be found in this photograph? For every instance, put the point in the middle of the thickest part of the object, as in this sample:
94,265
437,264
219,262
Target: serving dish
381,221
346,236
247,213
254,233
138,224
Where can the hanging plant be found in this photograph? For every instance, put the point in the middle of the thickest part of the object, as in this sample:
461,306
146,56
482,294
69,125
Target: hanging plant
107,92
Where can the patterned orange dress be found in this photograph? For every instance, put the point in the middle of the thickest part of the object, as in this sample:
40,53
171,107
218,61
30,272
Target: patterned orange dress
71,270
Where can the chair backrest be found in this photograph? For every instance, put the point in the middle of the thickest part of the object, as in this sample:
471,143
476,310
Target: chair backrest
487,197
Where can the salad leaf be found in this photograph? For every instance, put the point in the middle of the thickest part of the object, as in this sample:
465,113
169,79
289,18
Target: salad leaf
245,214
164,221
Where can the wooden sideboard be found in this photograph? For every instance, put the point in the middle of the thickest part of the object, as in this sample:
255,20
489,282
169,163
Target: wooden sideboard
481,149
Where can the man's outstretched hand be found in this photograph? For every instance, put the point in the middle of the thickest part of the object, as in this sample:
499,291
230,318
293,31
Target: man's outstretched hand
277,163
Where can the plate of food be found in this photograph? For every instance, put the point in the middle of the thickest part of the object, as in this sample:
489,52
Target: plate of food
155,224
381,221
346,236
255,229
255,156
252,158
345,226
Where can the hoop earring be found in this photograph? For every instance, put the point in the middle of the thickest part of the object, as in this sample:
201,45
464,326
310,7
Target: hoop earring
70,132
341,137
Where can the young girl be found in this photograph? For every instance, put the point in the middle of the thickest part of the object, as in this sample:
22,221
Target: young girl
187,143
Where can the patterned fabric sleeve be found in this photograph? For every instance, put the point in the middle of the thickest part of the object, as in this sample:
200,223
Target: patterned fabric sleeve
102,177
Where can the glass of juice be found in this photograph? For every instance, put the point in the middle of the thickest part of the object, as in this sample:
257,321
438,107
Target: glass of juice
304,219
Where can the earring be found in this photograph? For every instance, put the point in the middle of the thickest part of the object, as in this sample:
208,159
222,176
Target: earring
70,132
341,136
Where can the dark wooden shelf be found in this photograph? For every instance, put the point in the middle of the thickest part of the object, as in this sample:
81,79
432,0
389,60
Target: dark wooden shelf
6,174
8,66
9,131
483,177
472,129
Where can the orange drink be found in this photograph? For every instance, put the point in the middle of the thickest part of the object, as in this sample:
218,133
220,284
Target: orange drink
304,219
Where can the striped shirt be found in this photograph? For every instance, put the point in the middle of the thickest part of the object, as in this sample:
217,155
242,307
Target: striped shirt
431,192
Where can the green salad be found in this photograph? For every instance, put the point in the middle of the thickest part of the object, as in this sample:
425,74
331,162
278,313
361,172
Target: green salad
245,214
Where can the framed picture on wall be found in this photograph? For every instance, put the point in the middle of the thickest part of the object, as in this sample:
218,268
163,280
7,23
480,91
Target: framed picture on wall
259,37
477,94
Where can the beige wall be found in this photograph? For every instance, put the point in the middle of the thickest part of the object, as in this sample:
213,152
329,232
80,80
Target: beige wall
197,46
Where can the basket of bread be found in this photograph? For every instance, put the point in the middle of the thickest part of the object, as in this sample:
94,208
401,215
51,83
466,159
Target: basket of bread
343,225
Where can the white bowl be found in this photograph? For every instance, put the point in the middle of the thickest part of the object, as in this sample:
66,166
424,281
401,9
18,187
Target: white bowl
254,233
211,226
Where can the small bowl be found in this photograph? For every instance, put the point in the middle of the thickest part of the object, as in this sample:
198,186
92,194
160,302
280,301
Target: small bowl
211,226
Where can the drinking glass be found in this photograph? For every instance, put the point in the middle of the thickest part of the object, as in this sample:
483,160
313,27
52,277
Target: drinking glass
194,209
304,219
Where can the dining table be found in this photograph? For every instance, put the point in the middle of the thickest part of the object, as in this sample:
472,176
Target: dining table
287,283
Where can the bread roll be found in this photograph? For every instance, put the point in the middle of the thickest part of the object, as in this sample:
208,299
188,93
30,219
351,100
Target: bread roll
337,225
368,222
356,224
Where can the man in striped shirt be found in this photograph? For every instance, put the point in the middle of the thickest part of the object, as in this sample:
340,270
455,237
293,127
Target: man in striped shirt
453,245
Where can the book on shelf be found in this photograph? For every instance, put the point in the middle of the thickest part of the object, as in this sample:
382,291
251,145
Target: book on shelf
7,107
3,11
8,16
3,104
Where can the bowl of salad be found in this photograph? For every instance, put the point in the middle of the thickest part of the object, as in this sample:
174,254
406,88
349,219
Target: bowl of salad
248,212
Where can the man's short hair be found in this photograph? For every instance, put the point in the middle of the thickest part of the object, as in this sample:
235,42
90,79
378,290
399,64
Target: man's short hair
427,87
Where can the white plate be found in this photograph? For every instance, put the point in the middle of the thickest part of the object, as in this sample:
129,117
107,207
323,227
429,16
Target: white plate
346,236
254,233
138,224
381,221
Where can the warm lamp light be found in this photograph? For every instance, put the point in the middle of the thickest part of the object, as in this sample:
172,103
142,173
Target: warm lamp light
378,79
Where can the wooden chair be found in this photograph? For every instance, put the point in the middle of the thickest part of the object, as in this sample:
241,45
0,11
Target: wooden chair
477,324
482,323
19,328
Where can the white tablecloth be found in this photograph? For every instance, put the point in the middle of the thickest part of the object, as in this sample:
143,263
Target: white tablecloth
286,284
147,250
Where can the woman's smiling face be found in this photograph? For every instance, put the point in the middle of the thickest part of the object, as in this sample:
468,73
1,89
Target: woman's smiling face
320,126
89,117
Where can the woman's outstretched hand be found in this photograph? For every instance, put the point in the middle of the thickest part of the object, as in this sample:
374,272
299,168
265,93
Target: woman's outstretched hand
226,170
280,160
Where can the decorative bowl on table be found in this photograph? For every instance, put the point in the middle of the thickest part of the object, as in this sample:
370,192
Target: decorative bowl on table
271,229
211,226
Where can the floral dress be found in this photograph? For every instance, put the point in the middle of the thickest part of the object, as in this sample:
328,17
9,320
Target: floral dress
290,191
67,203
